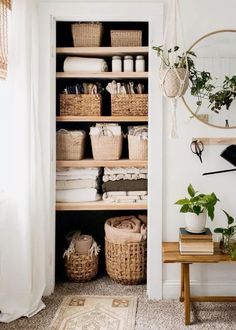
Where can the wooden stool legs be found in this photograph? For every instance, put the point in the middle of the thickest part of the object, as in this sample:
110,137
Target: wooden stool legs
185,291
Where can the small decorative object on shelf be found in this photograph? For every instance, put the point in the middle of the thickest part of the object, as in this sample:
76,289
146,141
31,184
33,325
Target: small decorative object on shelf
116,64
128,64
139,63
195,244
227,243
197,207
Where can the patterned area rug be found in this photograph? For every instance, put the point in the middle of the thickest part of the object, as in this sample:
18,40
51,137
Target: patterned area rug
95,313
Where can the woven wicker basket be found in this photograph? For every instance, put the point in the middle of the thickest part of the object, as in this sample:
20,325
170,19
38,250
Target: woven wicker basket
80,105
126,263
87,34
70,145
129,105
123,38
81,267
106,147
138,148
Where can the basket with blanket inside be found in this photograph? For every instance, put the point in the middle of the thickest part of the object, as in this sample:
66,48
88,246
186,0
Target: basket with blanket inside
123,38
126,249
87,34
106,147
138,144
129,105
80,105
70,144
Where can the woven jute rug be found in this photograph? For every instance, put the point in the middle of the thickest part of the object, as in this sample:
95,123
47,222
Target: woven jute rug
95,313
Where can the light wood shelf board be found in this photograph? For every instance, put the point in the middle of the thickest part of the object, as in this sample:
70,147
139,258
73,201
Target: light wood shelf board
101,163
102,51
216,140
103,75
99,205
102,118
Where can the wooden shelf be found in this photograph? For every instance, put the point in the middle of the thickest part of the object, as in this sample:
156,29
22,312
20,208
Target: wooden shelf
102,118
102,51
101,163
216,140
103,75
99,205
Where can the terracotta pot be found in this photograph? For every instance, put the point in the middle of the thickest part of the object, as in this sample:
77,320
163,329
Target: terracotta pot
195,223
171,84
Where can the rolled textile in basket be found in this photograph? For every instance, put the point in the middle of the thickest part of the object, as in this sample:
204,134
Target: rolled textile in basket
84,64
83,244
126,229
125,185
77,195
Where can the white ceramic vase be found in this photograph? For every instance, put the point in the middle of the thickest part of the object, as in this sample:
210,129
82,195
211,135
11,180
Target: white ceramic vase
195,223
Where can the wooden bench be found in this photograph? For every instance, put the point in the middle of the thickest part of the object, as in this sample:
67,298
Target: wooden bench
171,254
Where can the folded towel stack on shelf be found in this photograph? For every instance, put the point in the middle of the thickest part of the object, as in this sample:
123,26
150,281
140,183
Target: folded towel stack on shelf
76,185
125,185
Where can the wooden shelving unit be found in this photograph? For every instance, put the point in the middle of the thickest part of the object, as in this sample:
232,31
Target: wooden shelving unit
103,75
99,205
101,163
102,51
102,119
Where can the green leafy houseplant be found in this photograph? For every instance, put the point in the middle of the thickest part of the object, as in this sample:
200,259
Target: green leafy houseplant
198,203
226,244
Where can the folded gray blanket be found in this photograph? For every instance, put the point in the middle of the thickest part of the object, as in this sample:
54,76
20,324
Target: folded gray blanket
125,185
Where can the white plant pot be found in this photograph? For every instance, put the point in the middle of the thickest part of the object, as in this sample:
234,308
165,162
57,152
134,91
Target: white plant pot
195,223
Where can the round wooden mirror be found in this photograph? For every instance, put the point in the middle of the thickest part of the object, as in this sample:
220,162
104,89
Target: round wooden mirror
211,97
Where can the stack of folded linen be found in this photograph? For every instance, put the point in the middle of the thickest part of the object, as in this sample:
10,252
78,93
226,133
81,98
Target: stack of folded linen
76,185
124,185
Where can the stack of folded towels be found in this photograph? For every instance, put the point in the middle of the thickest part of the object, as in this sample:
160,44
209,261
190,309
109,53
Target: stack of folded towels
126,229
124,185
76,185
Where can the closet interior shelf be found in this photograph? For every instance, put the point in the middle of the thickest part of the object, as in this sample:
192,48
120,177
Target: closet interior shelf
102,51
102,119
216,140
101,163
104,75
100,205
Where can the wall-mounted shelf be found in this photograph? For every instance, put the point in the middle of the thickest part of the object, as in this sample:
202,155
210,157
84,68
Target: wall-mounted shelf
216,140
100,205
102,119
102,51
103,75
102,163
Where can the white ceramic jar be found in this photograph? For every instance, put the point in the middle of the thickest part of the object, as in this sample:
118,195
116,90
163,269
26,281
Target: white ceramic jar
139,63
116,64
128,64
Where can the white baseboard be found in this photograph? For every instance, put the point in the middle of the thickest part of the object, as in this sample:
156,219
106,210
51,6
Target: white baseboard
171,289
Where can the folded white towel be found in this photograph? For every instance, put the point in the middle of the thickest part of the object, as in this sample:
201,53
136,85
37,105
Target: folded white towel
77,195
124,170
76,184
85,64
122,176
78,173
124,196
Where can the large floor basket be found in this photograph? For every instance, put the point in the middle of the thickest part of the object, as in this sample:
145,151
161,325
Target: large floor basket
126,263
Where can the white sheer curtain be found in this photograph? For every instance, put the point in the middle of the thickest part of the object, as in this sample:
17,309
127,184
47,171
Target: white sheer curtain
22,207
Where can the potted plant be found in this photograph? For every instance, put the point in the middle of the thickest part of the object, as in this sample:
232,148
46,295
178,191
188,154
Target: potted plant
197,206
227,244
174,72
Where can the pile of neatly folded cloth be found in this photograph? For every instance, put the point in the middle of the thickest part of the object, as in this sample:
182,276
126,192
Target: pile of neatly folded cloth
77,185
126,229
124,185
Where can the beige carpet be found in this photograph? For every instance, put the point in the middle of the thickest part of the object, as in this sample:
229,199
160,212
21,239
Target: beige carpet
96,313
151,315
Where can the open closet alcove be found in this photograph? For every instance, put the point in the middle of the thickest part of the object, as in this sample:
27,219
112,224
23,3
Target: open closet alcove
55,45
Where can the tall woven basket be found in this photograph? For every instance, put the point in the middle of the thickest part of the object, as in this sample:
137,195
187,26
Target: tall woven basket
87,34
126,263
70,145
81,267
106,147
138,147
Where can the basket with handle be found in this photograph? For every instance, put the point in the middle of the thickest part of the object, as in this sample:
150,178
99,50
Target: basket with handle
70,144
138,147
87,34
106,147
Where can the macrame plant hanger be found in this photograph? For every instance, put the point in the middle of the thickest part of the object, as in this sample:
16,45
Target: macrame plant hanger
174,78
5,6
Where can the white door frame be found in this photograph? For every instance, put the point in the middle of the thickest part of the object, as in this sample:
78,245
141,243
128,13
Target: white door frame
151,12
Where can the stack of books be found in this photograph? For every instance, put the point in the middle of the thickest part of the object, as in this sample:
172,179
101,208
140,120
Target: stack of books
195,244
